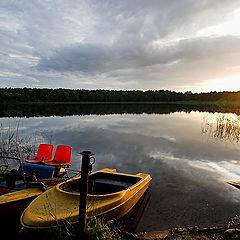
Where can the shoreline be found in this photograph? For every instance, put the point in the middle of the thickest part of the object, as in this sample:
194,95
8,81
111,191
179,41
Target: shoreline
190,233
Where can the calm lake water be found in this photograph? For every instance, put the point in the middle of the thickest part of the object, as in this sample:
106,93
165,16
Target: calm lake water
189,161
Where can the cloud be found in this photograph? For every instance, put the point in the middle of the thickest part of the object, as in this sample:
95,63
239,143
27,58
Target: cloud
101,58
119,44
185,58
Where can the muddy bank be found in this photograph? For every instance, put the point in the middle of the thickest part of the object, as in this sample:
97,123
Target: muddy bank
191,233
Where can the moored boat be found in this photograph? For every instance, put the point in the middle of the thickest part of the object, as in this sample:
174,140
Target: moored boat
15,201
110,195
21,182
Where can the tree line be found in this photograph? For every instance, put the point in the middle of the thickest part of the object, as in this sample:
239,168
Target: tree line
81,95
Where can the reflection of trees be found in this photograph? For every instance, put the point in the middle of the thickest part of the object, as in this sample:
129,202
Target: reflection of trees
60,109
222,126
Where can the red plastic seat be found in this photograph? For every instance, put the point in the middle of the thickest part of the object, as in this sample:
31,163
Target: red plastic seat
45,152
62,157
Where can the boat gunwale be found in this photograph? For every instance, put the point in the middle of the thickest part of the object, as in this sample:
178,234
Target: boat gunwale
14,196
123,203
142,178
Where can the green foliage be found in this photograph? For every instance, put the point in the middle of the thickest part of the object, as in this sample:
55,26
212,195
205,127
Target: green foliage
81,95
98,229
187,236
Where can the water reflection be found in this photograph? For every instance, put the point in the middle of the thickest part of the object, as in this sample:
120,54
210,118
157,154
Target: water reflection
188,169
131,220
223,126
69,109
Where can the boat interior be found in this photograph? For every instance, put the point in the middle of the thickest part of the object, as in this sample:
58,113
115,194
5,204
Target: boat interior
101,183
11,180
10,174
16,175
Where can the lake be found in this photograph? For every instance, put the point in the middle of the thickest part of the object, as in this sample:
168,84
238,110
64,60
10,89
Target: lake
188,156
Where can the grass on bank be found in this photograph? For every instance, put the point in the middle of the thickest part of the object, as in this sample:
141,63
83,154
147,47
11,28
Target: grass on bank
96,229
13,142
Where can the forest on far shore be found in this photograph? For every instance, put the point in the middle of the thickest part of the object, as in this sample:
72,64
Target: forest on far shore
15,95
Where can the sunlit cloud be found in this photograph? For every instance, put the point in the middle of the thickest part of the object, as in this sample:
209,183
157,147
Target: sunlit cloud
229,27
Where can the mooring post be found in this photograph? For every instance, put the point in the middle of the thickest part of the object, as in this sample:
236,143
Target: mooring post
86,155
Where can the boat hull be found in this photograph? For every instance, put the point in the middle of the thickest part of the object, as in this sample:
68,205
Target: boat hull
57,207
125,207
14,203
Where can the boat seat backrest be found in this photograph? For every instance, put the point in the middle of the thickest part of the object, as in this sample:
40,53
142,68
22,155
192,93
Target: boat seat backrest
63,154
45,151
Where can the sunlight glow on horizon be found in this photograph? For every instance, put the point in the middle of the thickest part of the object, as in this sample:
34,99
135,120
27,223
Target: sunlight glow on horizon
230,81
224,84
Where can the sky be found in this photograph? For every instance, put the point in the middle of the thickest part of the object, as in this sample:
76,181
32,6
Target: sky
178,45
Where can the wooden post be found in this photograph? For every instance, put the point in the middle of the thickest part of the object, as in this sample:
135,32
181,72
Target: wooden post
84,190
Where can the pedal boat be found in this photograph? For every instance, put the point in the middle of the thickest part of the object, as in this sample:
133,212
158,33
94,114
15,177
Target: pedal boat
18,187
110,195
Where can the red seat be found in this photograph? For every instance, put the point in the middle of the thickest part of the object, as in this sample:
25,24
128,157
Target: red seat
62,157
45,152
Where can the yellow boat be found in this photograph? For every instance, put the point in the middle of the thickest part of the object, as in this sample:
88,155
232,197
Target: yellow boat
14,202
110,194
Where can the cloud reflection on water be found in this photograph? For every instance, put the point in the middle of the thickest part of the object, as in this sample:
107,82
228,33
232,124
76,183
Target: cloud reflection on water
189,170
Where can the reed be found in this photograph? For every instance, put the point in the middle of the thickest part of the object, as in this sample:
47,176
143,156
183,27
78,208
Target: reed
14,143
224,127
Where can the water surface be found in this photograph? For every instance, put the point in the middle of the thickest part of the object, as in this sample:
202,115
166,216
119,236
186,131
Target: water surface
189,165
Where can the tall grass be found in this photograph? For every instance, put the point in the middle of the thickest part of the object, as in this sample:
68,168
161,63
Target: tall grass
14,143
96,229
224,127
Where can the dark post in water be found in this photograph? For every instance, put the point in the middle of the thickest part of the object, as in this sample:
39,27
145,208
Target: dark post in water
86,155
